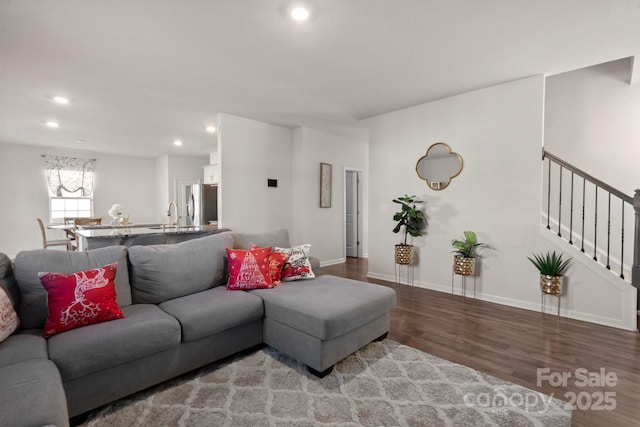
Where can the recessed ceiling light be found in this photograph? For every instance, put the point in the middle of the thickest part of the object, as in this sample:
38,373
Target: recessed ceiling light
80,141
60,100
53,124
211,129
299,13
177,143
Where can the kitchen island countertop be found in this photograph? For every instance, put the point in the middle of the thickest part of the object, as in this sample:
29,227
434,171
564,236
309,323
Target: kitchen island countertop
134,235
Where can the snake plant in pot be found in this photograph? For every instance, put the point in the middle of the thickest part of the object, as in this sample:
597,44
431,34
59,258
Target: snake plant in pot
464,260
551,266
413,221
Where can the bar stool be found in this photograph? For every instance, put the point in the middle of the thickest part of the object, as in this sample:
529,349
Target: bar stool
88,221
56,242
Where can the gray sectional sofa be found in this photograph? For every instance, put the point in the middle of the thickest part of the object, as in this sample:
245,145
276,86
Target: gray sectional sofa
178,317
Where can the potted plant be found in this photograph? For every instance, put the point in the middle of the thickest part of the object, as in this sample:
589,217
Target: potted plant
464,260
413,221
551,266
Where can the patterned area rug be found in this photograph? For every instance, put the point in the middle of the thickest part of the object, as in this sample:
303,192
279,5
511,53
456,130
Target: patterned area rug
384,384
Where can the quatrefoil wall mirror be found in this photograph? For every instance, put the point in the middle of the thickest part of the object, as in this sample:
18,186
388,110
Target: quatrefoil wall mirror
439,166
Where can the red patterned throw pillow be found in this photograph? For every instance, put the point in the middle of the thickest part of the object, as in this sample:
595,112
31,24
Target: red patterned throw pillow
9,320
80,299
298,265
276,262
249,269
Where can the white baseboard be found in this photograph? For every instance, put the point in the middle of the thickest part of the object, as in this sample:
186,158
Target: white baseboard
550,306
332,262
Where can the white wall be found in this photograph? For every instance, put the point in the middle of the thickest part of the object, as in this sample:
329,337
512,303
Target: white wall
250,153
129,181
323,228
162,189
592,119
498,132
170,168
183,167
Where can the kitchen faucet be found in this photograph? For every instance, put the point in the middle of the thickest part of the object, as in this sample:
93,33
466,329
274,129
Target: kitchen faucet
169,212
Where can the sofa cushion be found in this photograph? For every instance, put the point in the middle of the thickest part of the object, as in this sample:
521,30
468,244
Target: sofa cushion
80,299
327,306
270,238
32,395
24,345
212,311
163,272
33,301
144,330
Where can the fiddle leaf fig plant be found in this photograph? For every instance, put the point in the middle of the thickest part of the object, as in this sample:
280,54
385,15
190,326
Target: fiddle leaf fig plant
409,217
467,247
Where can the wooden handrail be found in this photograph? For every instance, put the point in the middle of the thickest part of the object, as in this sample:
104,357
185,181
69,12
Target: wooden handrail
591,178
633,201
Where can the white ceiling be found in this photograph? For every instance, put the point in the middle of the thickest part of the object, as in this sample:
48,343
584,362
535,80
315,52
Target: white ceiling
141,73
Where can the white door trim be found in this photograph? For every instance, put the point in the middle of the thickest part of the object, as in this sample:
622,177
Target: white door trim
359,216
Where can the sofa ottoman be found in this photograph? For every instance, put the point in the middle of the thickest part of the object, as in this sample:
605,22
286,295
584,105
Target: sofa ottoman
321,321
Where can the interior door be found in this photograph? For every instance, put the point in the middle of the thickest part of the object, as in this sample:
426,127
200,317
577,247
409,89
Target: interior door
351,213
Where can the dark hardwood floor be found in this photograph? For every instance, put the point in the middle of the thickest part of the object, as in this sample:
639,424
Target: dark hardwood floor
512,344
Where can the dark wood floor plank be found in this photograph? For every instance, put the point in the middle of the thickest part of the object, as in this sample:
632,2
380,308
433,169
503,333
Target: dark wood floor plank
512,343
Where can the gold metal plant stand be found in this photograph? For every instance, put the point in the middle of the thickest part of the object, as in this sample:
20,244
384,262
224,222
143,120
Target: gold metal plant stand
404,258
550,285
463,267
463,289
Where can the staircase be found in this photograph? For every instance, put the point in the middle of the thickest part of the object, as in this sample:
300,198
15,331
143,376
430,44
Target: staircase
594,217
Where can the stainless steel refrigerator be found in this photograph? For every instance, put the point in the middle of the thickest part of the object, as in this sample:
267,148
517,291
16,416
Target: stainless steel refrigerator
202,204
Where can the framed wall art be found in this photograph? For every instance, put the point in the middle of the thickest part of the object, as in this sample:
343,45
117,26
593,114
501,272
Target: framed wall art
325,185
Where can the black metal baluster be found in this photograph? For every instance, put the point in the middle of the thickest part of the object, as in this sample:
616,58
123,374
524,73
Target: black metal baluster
633,201
560,204
584,185
595,228
608,230
571,213
549,196
622,245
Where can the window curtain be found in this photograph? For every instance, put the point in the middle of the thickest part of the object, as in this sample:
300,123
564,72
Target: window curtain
70,174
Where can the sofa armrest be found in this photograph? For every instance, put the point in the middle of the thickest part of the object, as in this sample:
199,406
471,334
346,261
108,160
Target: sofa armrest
32,395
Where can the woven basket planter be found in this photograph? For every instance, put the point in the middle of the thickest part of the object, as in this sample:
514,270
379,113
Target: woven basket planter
404,254
464,266
551,285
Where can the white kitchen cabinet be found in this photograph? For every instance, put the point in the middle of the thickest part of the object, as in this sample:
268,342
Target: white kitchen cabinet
211,174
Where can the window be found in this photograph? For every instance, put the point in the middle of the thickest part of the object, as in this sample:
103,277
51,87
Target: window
73,207
70,183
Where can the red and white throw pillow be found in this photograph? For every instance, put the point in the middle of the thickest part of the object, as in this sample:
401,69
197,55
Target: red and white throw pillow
80,299
9,320
298,265
249,269
276,262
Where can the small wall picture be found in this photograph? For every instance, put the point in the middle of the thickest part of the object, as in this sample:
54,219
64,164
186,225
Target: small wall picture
325,185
